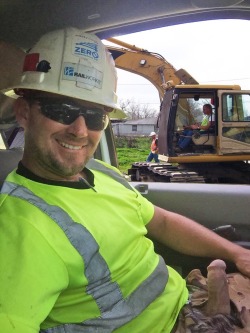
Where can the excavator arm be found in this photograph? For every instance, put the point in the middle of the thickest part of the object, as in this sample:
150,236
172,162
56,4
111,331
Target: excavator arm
152,66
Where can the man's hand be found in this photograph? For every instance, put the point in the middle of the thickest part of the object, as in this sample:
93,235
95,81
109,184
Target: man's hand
195,126
242,261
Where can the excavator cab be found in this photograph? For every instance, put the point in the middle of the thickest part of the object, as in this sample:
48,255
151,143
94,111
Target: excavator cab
182,108
230,130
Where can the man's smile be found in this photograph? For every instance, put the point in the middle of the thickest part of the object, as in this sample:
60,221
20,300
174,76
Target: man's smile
70,146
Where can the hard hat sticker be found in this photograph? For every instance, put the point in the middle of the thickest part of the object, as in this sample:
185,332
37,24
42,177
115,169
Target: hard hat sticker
86,49
85,77
30,62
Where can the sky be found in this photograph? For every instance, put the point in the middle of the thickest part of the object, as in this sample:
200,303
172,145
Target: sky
211,51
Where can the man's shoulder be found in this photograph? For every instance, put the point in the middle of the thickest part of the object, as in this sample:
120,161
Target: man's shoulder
109,170
95,164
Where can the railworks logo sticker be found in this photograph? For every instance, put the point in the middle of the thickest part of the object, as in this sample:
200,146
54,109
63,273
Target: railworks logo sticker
89,50
85,77
68,71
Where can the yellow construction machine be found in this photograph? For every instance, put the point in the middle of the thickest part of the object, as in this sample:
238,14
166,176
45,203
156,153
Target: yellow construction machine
218,156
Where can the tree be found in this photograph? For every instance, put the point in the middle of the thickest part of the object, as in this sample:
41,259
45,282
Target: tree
137,111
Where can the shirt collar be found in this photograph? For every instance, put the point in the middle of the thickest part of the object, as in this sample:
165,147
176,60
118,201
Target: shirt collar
23,171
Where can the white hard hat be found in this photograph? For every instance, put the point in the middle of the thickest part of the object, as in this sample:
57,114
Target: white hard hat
152,134
70,62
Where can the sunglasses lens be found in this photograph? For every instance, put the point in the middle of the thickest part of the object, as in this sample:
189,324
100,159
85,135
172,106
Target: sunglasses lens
95,119
67,113
60,113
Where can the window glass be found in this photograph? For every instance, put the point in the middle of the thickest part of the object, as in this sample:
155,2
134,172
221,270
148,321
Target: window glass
190,109
2,144
236,107
237,133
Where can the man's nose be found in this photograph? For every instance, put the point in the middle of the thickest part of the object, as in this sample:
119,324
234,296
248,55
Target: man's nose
78,127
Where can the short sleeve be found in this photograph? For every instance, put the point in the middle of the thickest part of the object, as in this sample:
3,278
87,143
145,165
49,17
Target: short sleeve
32,274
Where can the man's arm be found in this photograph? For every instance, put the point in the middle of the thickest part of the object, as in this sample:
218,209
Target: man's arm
186,236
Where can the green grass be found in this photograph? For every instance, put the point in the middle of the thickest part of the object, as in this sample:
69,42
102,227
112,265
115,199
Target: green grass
131,150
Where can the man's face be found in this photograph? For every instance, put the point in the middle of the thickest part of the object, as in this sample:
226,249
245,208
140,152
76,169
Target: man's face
206,110
54,150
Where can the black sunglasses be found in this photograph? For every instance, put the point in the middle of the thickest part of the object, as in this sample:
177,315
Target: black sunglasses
66,112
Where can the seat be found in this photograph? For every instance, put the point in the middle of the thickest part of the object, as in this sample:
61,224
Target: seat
9,160
207,139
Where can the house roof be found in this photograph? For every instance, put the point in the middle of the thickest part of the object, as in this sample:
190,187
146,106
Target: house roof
145,121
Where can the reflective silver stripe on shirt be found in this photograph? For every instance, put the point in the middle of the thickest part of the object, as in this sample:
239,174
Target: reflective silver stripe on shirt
95,165
115,310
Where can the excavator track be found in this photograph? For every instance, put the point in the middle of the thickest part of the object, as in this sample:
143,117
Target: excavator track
226,173
163,172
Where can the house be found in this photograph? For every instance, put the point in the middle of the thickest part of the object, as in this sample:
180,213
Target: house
139,127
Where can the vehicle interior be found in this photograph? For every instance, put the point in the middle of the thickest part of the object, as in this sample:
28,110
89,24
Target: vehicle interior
23,22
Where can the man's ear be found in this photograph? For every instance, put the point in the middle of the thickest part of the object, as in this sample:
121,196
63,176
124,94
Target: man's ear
21,109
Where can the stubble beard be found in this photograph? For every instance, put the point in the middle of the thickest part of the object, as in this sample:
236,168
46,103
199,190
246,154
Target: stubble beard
48,164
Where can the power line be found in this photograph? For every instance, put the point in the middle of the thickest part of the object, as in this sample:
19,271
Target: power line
135,84
145,103
230,80
150,84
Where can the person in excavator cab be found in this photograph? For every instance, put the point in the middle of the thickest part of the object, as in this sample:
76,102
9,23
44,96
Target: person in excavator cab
206,125
73,251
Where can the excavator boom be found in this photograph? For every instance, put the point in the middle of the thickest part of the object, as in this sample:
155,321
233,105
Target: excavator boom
152,66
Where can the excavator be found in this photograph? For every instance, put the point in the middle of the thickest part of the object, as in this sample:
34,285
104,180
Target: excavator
220,155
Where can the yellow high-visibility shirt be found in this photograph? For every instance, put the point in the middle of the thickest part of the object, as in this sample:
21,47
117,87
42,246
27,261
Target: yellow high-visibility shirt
45,280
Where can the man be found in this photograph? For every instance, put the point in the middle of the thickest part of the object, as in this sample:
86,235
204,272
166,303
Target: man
206,125
153,148
74,256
